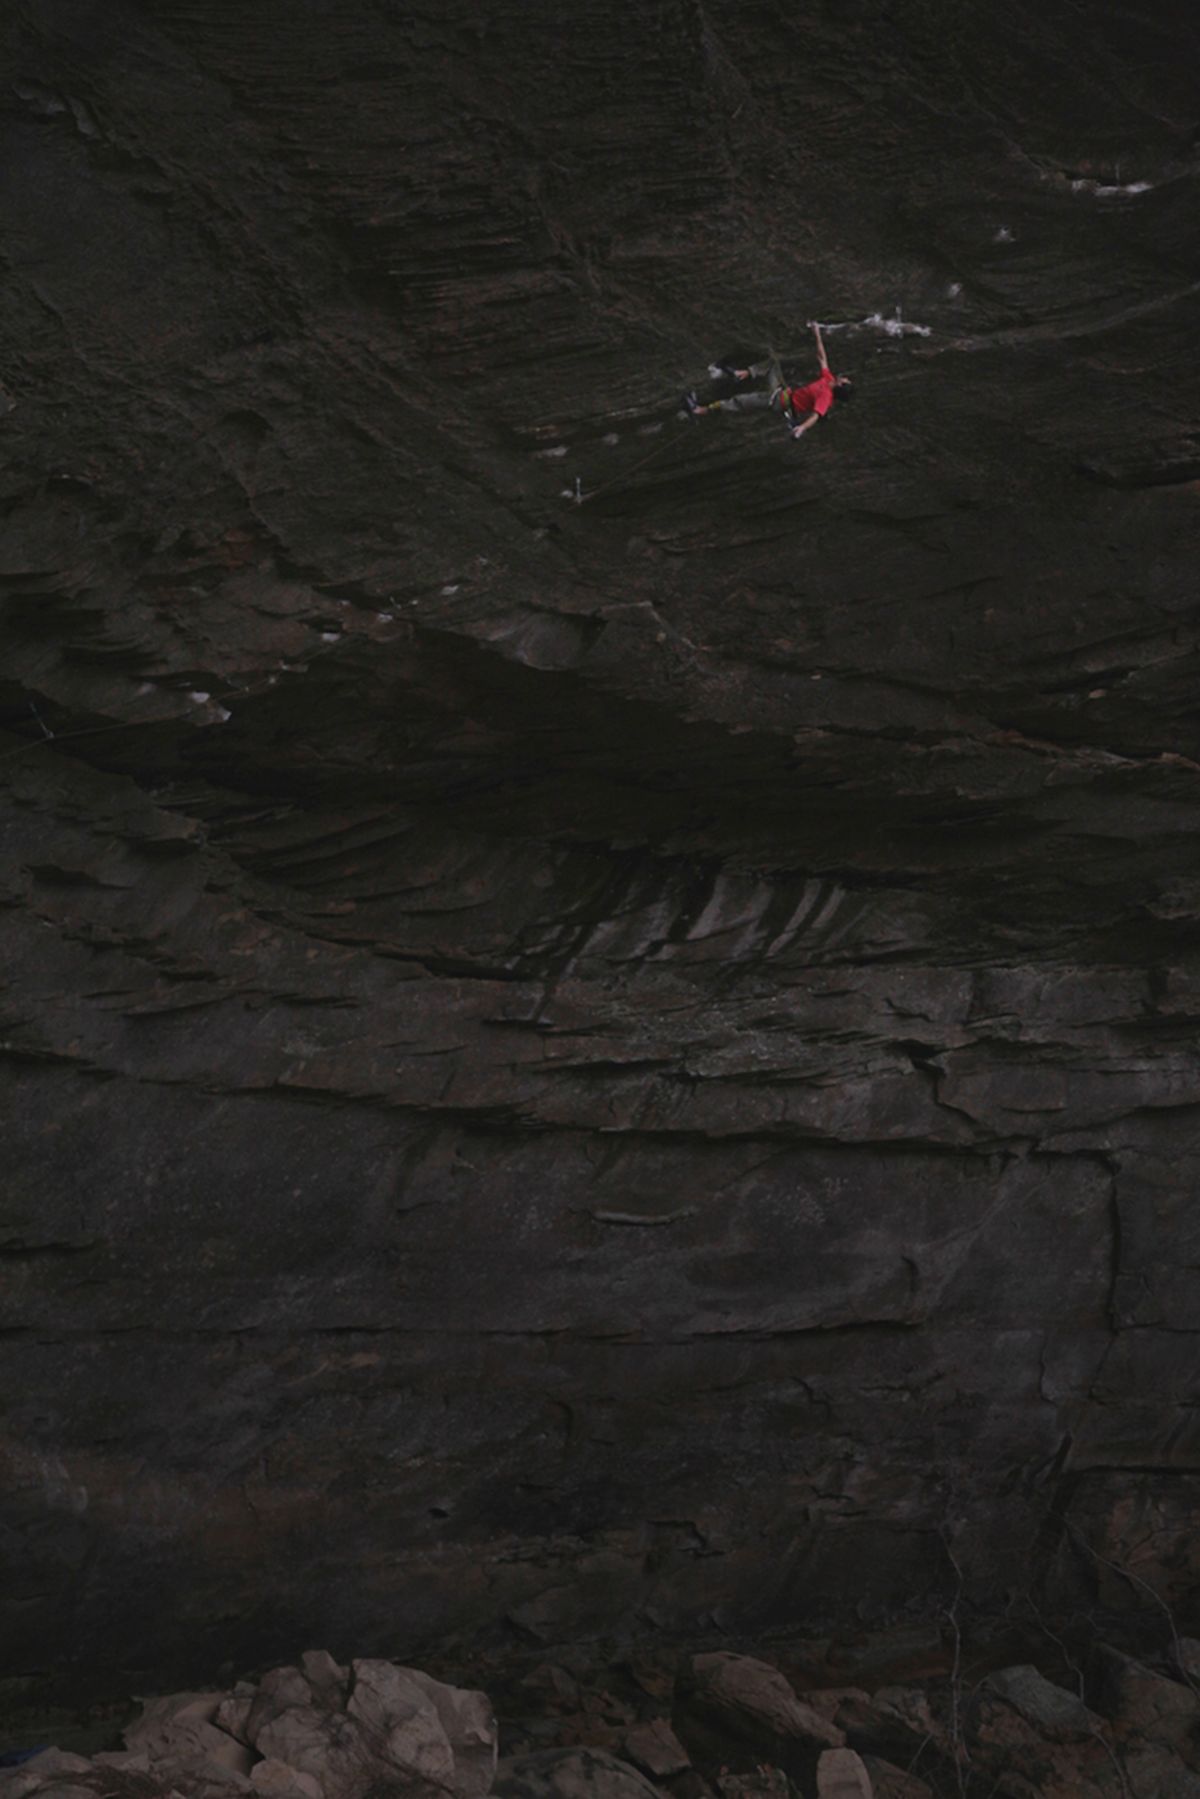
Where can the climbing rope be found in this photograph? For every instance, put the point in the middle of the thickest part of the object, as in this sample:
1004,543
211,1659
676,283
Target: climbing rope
625,474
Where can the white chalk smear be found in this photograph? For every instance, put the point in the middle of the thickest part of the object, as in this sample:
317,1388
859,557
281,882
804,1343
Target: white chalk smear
199,699
1110,190
610,438
896,326
648,430
545,455
451,587
1003,235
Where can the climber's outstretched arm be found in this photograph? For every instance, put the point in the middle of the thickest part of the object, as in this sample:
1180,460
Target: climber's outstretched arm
820,346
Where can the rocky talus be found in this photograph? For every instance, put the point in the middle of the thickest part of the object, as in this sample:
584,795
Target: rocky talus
597,1014
722,1726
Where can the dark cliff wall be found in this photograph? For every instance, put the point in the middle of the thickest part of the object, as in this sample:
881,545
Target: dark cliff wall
604,1066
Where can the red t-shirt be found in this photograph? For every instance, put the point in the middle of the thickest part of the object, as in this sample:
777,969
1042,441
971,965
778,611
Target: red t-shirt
816,397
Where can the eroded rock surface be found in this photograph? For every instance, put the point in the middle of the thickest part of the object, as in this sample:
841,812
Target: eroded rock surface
620,1066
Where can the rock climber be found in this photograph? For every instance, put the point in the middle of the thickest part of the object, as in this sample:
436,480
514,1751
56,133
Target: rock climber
802,407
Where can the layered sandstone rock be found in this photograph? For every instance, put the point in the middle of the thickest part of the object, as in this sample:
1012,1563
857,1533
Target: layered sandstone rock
619,1063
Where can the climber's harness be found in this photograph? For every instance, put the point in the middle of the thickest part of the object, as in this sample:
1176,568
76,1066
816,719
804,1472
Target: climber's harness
781,396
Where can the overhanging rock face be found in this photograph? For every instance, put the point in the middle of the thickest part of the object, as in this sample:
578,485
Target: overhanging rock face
599,1013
